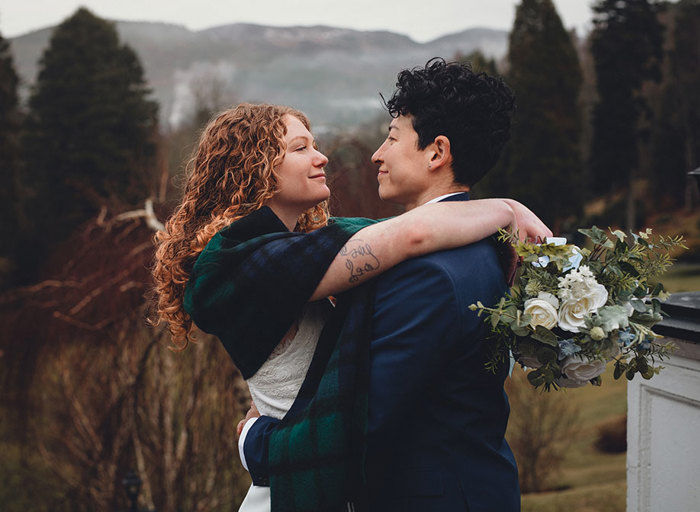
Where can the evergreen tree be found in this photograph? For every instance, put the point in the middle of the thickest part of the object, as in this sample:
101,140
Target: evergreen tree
676,134
541,165
626,44
478,61
90,128
9,162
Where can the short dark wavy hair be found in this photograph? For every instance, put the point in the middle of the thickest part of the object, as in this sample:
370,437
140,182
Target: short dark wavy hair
473,110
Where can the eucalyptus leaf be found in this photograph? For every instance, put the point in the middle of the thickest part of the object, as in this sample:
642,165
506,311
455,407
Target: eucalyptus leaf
629,268
620,368
545,336
546,355
521,331
639,306
525,320
536,378
624,295
640,292
596,235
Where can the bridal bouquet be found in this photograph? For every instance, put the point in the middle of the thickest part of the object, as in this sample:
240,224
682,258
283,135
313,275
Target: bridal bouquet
573,310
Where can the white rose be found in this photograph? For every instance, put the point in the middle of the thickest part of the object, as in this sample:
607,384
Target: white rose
573,312
542,309
599,295
581,370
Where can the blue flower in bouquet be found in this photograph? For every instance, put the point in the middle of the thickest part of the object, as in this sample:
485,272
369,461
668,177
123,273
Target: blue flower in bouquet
574,261
568,348
626,337
645,344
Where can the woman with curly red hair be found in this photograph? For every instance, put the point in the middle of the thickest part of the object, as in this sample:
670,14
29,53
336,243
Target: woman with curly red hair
250,253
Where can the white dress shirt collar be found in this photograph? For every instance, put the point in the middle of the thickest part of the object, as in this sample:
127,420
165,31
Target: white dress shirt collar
440,198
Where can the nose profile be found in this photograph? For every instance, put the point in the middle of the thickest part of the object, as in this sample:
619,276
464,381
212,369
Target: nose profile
321,159
376,158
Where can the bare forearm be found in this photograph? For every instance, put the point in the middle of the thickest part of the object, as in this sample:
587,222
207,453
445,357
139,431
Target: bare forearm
423,230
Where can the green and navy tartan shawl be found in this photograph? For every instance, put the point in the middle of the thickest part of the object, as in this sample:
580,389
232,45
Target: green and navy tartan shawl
247,287
251,282
316,453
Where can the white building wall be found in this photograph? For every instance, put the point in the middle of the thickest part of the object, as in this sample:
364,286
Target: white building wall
663,436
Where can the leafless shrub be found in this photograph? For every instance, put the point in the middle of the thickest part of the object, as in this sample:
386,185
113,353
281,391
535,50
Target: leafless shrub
107,394
612,435
540,429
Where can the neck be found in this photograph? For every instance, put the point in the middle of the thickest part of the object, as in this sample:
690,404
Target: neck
434,192
288,216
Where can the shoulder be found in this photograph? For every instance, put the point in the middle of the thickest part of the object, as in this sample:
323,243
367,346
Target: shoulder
353,222
454,265
452,280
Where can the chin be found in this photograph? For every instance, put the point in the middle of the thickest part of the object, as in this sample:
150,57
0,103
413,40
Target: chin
386,195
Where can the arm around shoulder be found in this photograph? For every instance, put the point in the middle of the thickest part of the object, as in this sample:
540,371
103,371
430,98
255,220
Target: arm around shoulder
428,228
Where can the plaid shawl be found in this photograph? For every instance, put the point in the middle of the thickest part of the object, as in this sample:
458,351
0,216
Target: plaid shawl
252,280
247,287
316,453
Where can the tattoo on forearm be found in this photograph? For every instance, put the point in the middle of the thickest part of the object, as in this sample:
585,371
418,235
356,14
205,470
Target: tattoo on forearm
359,259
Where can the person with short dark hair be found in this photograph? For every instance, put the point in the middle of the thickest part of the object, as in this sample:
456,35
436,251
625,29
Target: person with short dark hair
437,416
405,387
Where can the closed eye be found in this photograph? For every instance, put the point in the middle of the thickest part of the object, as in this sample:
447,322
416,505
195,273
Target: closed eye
301,148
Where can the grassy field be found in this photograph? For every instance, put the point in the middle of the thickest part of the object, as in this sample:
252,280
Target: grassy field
592,481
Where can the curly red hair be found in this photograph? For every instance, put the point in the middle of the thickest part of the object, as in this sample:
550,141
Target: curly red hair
231,174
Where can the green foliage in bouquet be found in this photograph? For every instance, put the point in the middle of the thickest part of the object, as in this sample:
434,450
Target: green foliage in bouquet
573,310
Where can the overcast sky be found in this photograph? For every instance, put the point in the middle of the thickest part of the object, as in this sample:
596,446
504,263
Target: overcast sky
422,20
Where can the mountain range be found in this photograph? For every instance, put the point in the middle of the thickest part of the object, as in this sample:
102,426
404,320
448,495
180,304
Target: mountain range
333,74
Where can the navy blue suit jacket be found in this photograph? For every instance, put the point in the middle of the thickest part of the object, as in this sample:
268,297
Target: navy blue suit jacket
437,417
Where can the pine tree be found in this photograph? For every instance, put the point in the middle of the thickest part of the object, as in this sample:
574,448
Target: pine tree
90,127
9,162
627,46
541,164
478,61
676,131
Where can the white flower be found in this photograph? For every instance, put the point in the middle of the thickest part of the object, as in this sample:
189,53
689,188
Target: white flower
543,310
582,295
597,333
578,370
572,314
628,308
581,283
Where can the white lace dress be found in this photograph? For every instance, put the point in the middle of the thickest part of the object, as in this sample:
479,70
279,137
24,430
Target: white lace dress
276,384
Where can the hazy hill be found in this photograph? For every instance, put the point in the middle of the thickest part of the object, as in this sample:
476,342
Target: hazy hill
335,75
